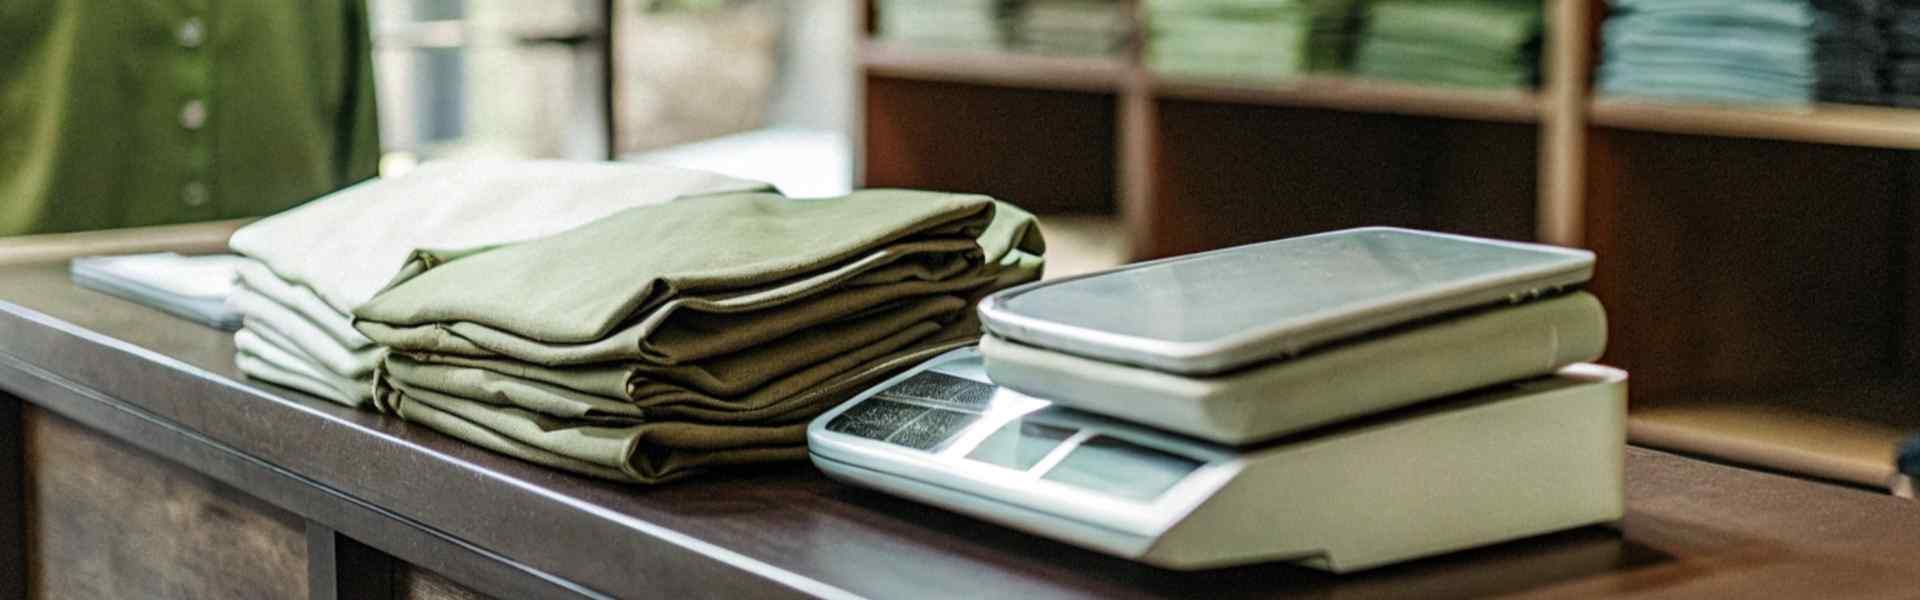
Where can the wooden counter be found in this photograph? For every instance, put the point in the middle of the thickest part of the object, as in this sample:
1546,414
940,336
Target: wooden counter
132,417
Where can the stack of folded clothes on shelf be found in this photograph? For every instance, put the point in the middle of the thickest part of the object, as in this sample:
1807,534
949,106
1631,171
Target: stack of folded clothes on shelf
308,268
1248,38
1745,51
1849,51
1081,27
1477,43
1903,41
958,24
666,339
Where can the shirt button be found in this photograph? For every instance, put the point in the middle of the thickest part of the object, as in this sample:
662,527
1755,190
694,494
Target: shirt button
194,194
192,32
193,115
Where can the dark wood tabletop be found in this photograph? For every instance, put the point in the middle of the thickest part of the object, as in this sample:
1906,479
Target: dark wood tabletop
1693,529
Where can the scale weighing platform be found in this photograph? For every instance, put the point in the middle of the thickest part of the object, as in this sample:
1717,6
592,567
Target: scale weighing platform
1497,464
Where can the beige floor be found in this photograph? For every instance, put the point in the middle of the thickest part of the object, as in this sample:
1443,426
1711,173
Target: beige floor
1081,243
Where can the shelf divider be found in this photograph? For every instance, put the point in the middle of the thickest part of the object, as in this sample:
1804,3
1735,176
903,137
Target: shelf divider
1561,210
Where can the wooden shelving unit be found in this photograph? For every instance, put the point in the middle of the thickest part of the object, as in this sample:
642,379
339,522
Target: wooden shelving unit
1744,250
1836,124
1798,430
996,68
1360,95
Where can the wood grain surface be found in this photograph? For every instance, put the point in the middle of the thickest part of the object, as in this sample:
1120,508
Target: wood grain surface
108,521
1045,151
420,584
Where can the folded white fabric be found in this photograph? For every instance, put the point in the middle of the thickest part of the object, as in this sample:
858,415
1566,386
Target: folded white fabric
348,245
358,388
309,267
300,299
309,360
264,361
302,335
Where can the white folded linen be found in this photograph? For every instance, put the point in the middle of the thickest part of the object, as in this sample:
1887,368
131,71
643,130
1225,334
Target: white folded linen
298,298
304,336
268,362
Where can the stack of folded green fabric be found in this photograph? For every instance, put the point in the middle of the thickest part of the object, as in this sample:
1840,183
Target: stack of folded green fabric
1477,43
1903,66
1081,27
667,339
1248,38
1755,51
958,24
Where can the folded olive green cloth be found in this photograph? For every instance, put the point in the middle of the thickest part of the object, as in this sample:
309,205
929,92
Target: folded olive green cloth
664,340
679,282
639,452
626,448
1465,25
743,386
1479,43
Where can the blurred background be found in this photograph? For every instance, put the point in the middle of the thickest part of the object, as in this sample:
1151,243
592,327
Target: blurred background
473,78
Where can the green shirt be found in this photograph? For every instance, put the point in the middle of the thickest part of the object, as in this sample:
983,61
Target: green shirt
147,112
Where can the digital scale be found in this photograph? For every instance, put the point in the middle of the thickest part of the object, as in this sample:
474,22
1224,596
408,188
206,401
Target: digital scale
1496,464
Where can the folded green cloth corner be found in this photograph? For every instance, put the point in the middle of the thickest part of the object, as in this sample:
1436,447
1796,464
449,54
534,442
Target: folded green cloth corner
944,24
1477,43
1082,27
1489,25
635,449
666,339
1274,39
638,452
1213,46
1246,9
723,389
683,281
1425,63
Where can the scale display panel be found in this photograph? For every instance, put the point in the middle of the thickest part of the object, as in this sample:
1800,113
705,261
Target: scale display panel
934,411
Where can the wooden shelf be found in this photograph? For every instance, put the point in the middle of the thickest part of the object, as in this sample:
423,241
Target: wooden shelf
1846,433
1361,95
189,238
1110,74
1001,68
1837,124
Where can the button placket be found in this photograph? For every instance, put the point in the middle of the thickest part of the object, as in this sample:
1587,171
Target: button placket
191,33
